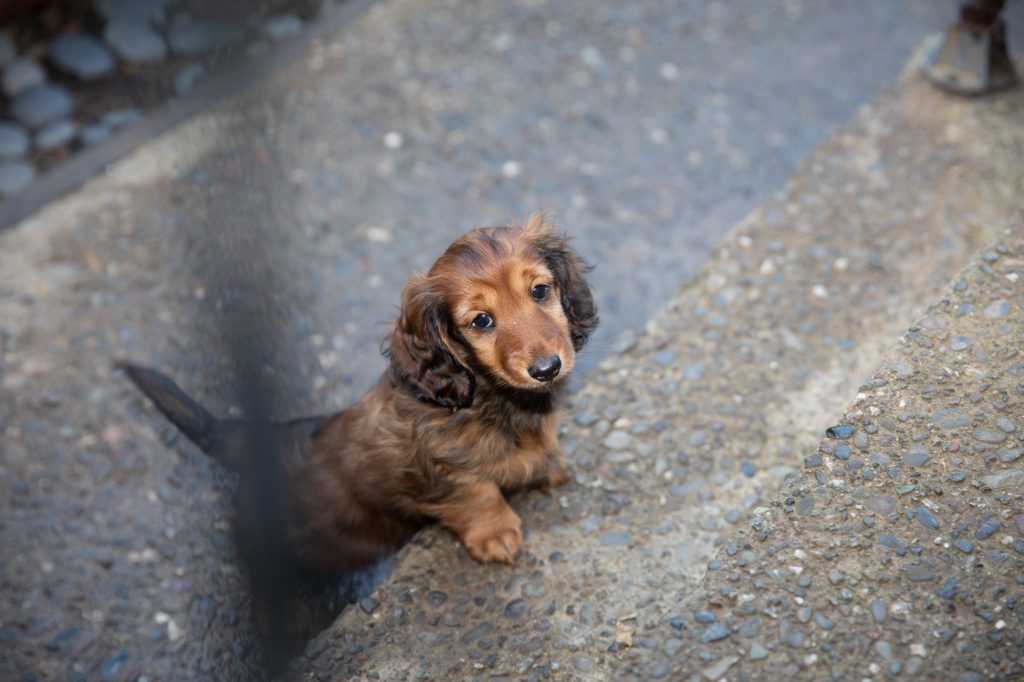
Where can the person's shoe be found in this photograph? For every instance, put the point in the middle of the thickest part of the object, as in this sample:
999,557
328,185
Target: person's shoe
972,62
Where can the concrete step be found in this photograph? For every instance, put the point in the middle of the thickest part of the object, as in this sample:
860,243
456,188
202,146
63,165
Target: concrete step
680,440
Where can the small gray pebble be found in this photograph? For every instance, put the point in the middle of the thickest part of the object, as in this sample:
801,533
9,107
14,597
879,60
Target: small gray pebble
81,55
22,74
585,664
55,134
117,118
986,529
988,435
515,608
13,140
925,517
916,456
1006,425
93,133
38,106
617,440
997,309
964,545
665,357
715,632
878,610
960,343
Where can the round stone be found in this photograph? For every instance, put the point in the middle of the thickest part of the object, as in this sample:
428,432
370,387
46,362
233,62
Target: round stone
55,134
22,74
93,133
134,41
187,77
282,27
39,105
15,176
13,140
82,56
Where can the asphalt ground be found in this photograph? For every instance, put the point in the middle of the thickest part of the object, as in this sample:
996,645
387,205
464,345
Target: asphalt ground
651,129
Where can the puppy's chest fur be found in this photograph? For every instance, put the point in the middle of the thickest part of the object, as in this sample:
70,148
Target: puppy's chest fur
508,439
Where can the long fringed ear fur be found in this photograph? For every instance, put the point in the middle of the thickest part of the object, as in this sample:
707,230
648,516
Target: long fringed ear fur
422,354
576,297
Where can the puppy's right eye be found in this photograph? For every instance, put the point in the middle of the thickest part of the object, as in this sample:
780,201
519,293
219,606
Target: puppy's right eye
483,321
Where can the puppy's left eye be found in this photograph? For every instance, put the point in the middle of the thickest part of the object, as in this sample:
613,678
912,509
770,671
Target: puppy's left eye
483,321
540,292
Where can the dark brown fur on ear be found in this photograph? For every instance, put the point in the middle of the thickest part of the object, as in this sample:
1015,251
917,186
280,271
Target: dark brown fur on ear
422,353
568,270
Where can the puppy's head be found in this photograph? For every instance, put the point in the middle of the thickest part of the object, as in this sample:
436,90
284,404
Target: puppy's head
510,303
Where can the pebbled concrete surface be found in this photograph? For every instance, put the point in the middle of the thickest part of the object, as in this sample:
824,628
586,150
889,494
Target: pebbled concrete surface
672,555
118,564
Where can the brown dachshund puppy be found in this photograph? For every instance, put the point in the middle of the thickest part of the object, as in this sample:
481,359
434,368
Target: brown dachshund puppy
467,410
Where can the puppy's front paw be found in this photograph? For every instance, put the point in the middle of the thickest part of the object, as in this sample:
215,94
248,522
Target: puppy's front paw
495,542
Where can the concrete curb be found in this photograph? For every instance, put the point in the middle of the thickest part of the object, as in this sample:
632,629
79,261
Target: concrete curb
695,423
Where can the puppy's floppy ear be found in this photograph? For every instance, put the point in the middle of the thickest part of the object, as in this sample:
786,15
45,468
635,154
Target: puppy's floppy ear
568,270
423,355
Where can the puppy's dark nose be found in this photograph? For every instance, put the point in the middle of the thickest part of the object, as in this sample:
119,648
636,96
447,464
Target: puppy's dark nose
545,369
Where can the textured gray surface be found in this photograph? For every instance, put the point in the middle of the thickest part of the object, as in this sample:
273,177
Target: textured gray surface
679,444
117,557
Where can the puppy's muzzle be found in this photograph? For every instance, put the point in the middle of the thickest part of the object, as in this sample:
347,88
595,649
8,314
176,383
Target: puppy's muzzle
545,369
